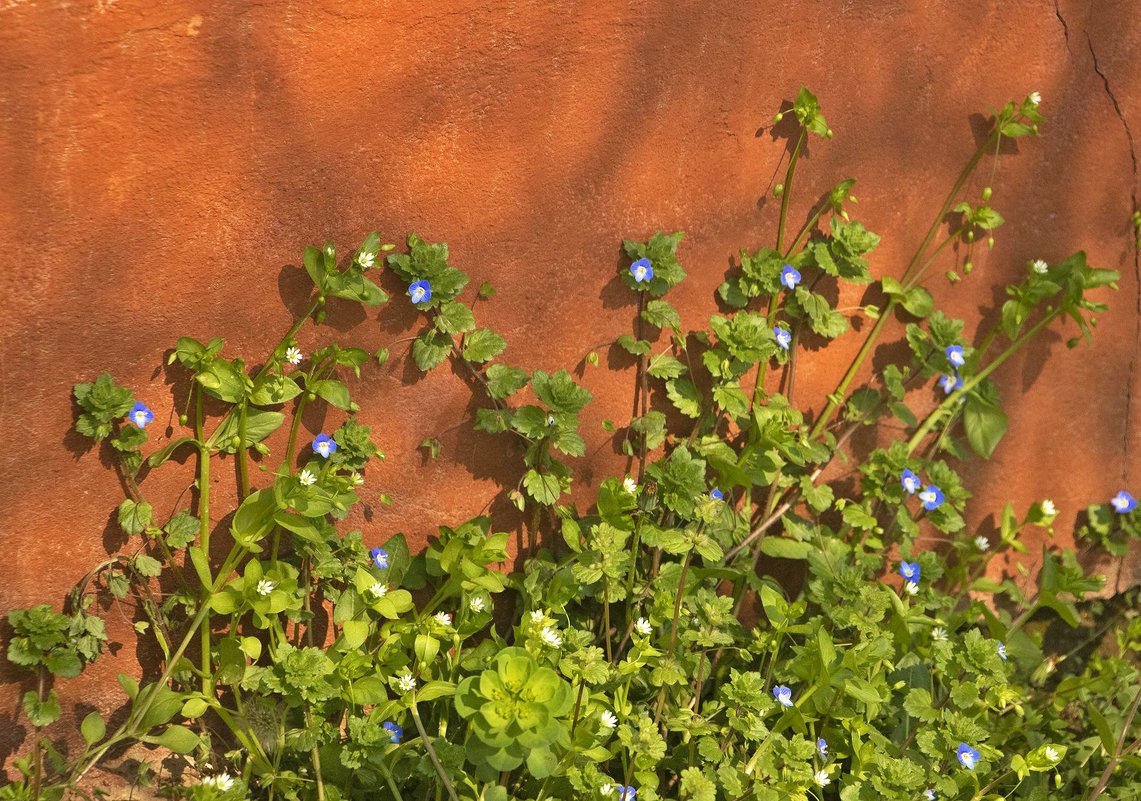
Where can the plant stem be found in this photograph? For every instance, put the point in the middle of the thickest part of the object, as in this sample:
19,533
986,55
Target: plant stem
315,757
243,454
1119,750
204,538
678,597
432,752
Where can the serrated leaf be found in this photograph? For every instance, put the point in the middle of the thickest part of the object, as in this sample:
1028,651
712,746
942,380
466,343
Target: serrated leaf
430,349
683,395
782,548
482,345
134,518
544,488
635,347
661,314
455,318
665,366
504,381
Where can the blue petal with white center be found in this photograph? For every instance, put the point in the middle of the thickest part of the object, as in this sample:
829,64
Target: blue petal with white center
716,494
140,415
783,337
379,557
324,446
789,277
626,793
1123,502
822,748
955,355
968,757
1002,650
910,482
642,271
420,292
929,794
783,695
951,382
909,571
932,497
395,732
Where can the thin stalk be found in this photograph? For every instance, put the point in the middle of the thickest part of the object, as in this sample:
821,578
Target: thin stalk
678,596
644,388
1119,750
243,455
315,757
204,538
432,752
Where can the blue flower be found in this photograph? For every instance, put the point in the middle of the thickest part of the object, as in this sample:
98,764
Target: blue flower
324,446
950,383
420,292
909,570
642,271
1002,650
783,695
968,757
626,793
716,494
822,748
784,337
379,557
910,482
396,732
955,355
929,794
1123,502
790,276
140,415
932,497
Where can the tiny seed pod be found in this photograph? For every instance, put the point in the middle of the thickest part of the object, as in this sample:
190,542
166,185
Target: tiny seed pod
311,396
990,242
986,193
320,317
828,133
970,236
778,190
321,298
952,276
182,419
967,267
235,441
777,117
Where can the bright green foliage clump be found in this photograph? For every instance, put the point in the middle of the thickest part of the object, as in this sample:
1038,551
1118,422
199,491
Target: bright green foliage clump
635,644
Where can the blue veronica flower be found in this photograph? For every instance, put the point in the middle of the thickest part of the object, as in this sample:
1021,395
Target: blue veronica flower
929,794
790,276
909,570
1123,502
822,748
968,757
910,482
932,497
140,415
324,446
716,494
784,337
951,382
642,271
955,355
396,732
420,291
626,793
379,557
1002,650
783,695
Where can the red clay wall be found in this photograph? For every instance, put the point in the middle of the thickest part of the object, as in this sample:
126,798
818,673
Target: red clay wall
163,163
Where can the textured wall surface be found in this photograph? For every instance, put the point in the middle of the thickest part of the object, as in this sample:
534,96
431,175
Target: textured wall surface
164,163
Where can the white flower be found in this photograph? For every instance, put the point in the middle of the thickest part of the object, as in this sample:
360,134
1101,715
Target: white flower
1039,266
366,259
939,634
608,719
378,590
1048,508
642,626
307,478
476,604
606,789
982,543
265,587
538,616
551,637
822,778
406,682
1035,98
443,618
929,794
630,485
1052,753
357,479
223,781
911,588
293,355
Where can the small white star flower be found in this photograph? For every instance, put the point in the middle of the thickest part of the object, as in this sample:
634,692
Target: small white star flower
357,479
476,604
606,789
822,778
608,720
406,682
630,485
538,616
982,543
911,588
1052,753
642,626
307,478
1048,508
1035,98
939,634
265,587
551,637
366,259
378,590
223,782
293,355
443,618
929,794
1039,266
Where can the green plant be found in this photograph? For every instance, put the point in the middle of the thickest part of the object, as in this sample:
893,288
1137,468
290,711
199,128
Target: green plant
640,648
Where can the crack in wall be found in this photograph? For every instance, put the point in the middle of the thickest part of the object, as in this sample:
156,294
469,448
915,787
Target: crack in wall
1065,27
1136,248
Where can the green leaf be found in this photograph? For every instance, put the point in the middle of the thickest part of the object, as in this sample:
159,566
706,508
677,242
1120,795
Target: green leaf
696,785
455,318
559,392
147,565
544,488
270,390
178,739
661,314
683,395
782,548
355,633
134,518
635,347
93,728
483,345
983,418
181,530
42,713
821,317
665,366
333,392
430,349
504,381
918,302
259,425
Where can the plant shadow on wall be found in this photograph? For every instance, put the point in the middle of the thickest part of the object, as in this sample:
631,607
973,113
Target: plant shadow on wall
296,663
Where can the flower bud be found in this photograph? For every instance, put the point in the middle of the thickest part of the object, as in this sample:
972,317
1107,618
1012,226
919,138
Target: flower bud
182,419
320,316
235,441
967,267
778,190
990,242
970,236
953,276
986,193
777,117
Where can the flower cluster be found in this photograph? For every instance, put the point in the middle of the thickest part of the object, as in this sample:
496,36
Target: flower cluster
931,496
953,380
